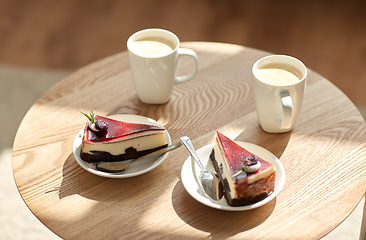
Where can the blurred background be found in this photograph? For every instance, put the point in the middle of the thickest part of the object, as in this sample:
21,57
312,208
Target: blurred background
43,41
329,36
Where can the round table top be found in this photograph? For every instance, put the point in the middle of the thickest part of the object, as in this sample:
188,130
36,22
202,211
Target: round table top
324,156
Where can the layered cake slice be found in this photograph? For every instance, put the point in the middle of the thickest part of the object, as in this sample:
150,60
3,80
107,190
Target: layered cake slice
110,140
246,178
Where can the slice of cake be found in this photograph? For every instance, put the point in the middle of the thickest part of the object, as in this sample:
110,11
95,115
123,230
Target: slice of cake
109,140
246,178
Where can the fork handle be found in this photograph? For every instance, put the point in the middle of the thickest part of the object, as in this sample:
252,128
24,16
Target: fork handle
188,144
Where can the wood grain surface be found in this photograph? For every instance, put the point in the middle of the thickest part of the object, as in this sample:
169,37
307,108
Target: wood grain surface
324,156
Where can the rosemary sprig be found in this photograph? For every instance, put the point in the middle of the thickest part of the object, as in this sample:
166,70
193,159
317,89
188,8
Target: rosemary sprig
242,169
90,117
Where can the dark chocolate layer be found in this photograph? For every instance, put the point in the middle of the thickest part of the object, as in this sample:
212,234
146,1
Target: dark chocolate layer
130,153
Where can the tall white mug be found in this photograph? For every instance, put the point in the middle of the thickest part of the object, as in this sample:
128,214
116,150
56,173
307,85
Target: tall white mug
279,83
153,56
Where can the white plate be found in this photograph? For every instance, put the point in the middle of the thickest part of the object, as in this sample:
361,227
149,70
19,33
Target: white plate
136,168
190,173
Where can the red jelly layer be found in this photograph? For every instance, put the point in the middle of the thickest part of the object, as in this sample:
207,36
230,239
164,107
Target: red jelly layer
117,129
236,154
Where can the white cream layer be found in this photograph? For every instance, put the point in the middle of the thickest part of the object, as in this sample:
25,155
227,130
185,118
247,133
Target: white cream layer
225,173
141,142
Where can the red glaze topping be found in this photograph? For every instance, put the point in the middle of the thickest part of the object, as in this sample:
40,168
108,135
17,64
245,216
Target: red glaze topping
117,129
236,154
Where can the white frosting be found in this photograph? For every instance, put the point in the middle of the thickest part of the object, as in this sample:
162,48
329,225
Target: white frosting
92,127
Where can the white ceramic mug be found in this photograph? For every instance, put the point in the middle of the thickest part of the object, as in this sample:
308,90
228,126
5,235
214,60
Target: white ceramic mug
278,105
154,70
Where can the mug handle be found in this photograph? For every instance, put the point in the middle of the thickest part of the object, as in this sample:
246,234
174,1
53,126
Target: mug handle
287,107
191,53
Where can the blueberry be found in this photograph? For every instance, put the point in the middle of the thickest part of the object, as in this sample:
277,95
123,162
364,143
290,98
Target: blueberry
101,125
251,160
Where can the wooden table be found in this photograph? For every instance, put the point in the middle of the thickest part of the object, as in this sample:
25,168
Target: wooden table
324,156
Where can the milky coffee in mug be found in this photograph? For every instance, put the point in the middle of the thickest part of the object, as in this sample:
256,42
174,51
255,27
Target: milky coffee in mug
152,47
278,85
153,56
279,74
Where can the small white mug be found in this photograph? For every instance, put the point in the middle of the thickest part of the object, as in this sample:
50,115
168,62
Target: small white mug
153,56
278,104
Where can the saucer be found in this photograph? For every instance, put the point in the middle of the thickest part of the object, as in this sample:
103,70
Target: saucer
190,177
136,168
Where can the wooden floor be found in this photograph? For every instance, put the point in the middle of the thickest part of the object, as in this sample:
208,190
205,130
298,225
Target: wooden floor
328,36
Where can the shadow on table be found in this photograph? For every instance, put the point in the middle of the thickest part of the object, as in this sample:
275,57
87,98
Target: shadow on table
220,224
76,180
